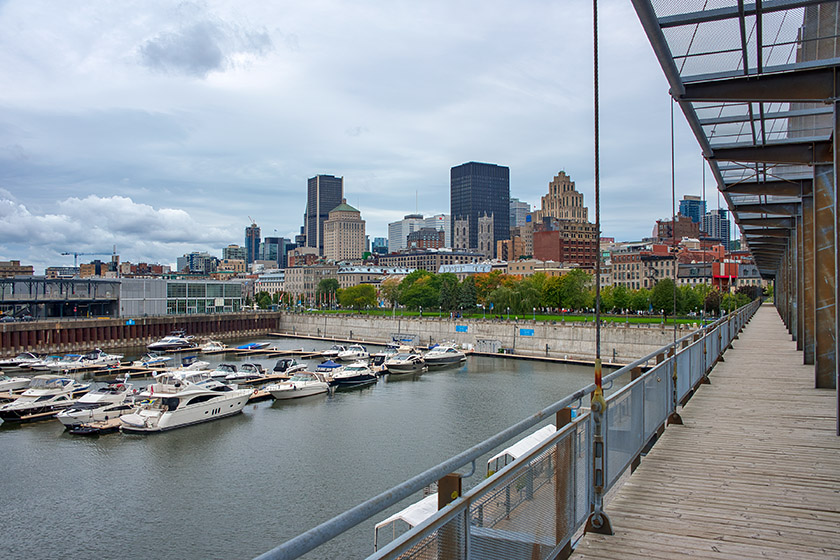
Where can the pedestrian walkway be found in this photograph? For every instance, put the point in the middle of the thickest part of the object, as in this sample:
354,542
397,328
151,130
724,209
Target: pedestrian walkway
754,472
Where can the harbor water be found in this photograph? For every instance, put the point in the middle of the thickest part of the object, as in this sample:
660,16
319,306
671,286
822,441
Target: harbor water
239,486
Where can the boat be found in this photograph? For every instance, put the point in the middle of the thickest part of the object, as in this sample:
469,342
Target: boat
444,355
329,367
173,402
192,363
253,346
212,346
68,362
405,362
21,361
9,384
302,384
332,351
354,353
288,366
356,374
176,340
100,358
223,370
44,363
387,352
46,396
105,403
152,360
248,373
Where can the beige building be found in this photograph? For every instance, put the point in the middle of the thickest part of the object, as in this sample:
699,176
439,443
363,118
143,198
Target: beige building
232,265
10,269
529,267
562,201
429,260
344,233
302,281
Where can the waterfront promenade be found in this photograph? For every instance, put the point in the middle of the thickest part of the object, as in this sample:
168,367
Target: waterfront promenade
754,472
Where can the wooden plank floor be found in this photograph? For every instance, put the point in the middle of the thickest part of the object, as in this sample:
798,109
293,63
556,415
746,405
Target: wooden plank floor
753,473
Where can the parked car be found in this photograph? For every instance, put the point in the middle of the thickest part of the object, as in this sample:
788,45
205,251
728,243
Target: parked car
7,319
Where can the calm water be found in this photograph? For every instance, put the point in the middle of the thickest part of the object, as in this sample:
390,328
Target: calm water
239,486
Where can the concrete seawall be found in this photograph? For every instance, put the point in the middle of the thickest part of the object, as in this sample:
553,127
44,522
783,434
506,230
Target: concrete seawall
557,340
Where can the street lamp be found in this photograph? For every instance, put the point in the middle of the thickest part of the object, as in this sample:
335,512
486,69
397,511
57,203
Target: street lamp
535,314
421,310
508,313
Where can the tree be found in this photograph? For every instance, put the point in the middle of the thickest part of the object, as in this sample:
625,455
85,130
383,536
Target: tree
551,296
621,298
712,302
662,297
263,300
466,294
423,291
448,296
640,300
485,283
390,290
574,289
326,290
692,299
358,297
607,298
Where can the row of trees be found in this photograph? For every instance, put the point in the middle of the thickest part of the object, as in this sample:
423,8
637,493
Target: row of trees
497,293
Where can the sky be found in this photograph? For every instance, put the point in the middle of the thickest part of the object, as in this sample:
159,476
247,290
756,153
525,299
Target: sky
159,128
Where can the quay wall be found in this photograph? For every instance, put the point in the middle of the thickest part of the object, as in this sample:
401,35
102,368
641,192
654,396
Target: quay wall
70,335
574,340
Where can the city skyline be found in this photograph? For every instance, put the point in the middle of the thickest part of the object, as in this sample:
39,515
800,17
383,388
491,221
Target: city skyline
163,135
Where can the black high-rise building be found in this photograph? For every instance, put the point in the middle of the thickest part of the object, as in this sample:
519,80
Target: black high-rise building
324,192
252,243
480,190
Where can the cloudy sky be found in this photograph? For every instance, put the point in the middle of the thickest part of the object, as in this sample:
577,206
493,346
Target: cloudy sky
161,127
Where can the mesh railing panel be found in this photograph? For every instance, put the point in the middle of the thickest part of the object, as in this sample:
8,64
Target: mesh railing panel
583,471
695,352
625,422
683,374
657,398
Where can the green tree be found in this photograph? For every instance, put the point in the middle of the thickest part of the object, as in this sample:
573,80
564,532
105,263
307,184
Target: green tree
502,299
692,299
326,290
607,298
574,287
551,296
422,291
640,300
621,298
263,300
662,297
448,294
712,301
390,290
358,297
466,294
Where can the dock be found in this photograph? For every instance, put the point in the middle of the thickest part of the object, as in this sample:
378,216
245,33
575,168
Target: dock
754,472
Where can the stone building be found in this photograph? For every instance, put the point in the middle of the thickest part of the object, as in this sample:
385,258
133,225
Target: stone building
344,234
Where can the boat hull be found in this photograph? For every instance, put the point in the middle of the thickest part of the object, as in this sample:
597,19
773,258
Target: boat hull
33,413
206,411
282,394
355,381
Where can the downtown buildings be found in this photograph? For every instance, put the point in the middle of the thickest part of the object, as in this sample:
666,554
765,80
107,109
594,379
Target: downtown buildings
323,193
479,206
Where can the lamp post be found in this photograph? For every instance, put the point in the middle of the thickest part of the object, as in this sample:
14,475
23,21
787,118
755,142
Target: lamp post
508,313
535,314
421,311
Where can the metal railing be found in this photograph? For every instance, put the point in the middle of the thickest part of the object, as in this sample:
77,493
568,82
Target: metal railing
533,506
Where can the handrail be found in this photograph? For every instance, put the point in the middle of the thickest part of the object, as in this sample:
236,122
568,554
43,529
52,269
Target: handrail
329,529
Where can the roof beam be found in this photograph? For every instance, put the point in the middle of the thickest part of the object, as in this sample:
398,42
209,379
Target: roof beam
772,208
805,153
729,119
815,84
774,232
732,12
766,222
778,188
767,241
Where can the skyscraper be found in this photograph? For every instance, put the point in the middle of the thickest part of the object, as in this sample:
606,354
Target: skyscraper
716,225
693,207
324,192
518,211
398,231
252,243
479,191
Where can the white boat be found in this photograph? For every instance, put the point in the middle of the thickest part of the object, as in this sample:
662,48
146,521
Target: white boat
354,353
105,403
100,358
405,362
176,340
21,361
9,384
332,351
190,363
288,366
212,346
223,370
248,373
444,355
173,402
152,360
353,375
44,363
68,362
46,395
302,384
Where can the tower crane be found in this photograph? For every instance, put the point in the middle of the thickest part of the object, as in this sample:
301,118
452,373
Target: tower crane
76,256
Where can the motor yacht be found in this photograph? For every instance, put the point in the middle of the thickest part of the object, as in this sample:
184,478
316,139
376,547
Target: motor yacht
288,366
223,370
173,402
354,353
176,340
353,375
212,346
104,403
302,384
68,362
44,363
332,351
46,395
444,355
248,373
98,357
9,384
152,360
405,362
21,361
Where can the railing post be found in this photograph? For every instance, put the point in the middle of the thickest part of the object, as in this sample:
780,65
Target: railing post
674,417
451,542
635,373
564,482
598,521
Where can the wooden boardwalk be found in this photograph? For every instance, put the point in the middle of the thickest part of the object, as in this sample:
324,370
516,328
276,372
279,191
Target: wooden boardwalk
753,473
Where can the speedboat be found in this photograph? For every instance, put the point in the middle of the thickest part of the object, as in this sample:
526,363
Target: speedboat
9,384
444,355
333,351
173,402
248,373
353,375
387,352
176,340
288,366
192,363
97,357
68,362
353,353
328,368
152,360
253,346
405,362
44,363
302,384
21,361
46,395
105,403
223,370
212,346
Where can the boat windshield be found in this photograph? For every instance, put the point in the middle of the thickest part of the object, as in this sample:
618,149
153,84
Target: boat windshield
48,383
302,377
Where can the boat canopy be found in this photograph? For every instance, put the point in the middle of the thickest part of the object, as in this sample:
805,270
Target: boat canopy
518,449
412,516
329,364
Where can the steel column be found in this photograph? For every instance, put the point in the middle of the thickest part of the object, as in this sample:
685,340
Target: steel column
808,278
799,263
825,253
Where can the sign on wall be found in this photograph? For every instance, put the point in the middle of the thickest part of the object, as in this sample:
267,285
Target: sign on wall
461,328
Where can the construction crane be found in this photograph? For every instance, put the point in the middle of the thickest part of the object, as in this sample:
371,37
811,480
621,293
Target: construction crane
76,256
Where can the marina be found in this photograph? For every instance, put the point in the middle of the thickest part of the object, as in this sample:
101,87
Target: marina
290,464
